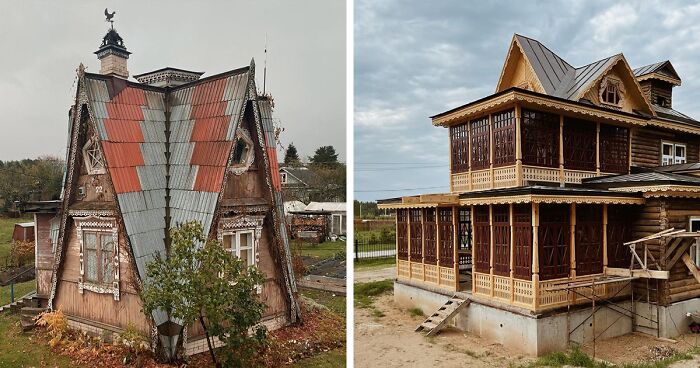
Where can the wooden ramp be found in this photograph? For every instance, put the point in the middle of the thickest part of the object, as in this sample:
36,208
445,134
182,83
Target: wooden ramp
442,316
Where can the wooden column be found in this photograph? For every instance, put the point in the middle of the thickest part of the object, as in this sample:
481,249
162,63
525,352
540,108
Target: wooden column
597,149
605,238
629,154
518,147
422,240
455,244
408,235
535,256
572,234
491,246
437,242
469,153
512,252
471,214
397,242
561,150
491,150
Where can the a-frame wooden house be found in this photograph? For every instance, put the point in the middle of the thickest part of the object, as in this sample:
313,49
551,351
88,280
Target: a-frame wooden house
142,157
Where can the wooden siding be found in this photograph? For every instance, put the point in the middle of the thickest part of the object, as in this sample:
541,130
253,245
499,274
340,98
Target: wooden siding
44,254
681,285
646,146
100,307
653,89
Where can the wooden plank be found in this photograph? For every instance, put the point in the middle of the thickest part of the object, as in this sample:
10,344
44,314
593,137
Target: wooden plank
671,249
681,250
691,266
654,236
649,274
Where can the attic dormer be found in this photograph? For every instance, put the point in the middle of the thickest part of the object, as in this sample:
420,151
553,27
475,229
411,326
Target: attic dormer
657,82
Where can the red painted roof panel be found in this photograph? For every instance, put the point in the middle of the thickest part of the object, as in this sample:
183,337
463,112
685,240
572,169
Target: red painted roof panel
209,178
123,130
122,154
125,179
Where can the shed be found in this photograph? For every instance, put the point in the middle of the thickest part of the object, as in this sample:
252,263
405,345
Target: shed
338,215
24,231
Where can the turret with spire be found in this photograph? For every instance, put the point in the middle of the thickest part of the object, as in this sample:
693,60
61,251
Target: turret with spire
112,53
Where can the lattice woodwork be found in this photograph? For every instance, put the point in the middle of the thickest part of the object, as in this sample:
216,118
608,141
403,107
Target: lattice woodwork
459,136
552,298
446,229
480,144
501,287
614,149
504,138
540,138
481,179
554,238
618,232
482,239
460,182
522,292
522,238
402,269
447,277
576,177
589,239
482,283
504,177
501,240
431,274
430,236
540,174
579,144
416,270
416,234
402,234
464,232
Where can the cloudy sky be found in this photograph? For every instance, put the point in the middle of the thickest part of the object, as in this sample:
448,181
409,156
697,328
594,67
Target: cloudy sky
414,59
43,42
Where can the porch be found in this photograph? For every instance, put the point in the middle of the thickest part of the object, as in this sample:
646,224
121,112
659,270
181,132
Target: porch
523,249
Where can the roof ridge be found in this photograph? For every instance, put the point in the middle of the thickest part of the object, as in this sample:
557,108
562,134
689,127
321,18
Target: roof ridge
547,48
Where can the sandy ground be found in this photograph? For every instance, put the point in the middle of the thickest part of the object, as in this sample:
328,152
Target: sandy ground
637,348
377,274
389,341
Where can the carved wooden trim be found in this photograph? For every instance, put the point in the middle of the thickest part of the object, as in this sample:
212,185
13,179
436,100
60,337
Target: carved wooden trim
102,225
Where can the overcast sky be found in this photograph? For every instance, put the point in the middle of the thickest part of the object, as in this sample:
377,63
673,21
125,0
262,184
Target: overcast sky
43,42
414,59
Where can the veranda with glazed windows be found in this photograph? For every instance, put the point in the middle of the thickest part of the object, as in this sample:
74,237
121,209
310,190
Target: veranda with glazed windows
515,253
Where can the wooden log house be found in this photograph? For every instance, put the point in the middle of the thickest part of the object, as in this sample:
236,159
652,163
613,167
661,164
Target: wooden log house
550,176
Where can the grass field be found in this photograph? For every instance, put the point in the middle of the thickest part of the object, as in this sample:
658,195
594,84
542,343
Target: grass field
336,303
22,350
331,359
371,264
21,290
325,250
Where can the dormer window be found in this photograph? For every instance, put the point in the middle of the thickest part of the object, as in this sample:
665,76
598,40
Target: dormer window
661,101
243,153
611,91
94,163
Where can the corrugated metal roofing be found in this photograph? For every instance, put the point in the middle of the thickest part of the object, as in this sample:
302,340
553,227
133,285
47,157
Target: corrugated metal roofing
327,206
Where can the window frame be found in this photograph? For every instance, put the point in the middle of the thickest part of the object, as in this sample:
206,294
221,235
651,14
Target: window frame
236,247
240,224
238,168
91,167
612,85
101,227
674,159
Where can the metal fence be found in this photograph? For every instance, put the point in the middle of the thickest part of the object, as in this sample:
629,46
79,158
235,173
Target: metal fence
367,249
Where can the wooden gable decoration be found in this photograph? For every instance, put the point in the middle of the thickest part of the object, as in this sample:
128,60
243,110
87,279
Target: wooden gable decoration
517,71
631,96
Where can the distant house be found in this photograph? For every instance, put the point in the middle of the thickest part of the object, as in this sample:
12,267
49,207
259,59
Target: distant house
298,182
292,206
23,231
337,212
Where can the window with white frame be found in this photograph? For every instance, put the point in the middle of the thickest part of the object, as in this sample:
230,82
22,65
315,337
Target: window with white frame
283,177
242,244
673,153
94,163
99,255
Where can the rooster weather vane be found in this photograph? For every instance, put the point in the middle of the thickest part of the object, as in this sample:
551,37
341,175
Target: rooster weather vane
109,17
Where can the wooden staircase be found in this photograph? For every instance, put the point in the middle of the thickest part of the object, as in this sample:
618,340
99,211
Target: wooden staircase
442,316
29,300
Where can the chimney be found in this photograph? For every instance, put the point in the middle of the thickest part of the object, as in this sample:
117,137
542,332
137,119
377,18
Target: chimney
113,55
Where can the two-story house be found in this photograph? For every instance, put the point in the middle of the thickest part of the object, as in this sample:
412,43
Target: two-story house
560,183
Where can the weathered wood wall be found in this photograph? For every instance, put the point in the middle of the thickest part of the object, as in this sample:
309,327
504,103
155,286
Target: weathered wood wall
646,146
94,306
646,220
44,254
652,89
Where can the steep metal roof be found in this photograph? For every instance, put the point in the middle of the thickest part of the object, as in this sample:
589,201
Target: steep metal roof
586,75
642,70
551,70
131,124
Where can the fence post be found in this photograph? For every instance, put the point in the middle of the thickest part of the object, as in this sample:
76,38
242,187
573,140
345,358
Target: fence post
357,254
12,292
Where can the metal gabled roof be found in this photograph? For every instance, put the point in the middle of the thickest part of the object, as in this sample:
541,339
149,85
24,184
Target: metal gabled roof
662,67
586,75
645,178
675,115
552,71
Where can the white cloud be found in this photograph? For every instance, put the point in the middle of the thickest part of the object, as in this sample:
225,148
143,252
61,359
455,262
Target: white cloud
610,23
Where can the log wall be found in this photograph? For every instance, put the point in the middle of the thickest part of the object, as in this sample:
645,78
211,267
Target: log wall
646,146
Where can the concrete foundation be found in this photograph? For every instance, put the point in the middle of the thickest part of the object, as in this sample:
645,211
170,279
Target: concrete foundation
516,328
